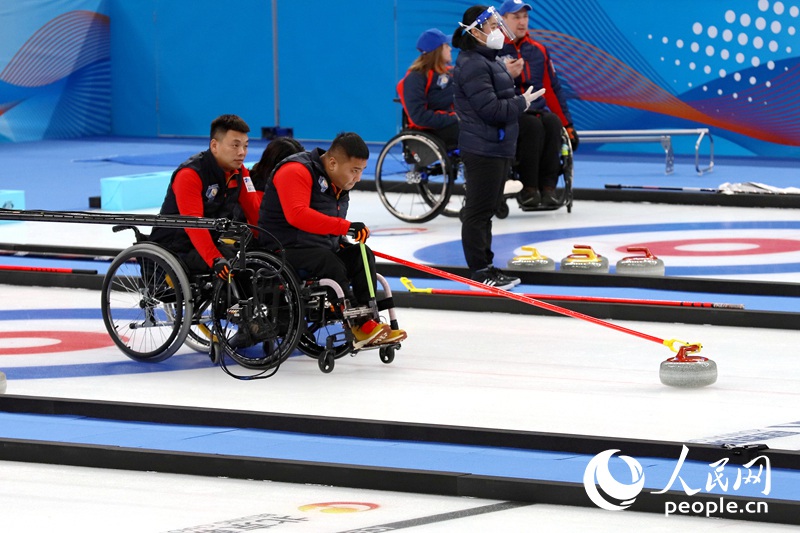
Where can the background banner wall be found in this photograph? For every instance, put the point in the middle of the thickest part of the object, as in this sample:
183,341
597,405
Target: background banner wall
55,69
173,65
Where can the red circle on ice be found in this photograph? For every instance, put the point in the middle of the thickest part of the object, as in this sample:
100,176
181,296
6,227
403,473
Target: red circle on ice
30,342
717,247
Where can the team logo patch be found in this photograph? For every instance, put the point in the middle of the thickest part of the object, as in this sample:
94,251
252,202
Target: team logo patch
323,184
212,191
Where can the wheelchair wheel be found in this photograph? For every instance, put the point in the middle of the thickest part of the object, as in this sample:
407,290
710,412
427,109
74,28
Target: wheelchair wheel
566,169
147,303
412,176
258,316
324,332
457,195
387,354
563,192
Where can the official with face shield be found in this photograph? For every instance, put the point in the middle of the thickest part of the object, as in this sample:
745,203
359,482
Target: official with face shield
488,110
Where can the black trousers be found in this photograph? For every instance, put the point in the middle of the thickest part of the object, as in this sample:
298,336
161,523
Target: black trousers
345,267
448,135
538,149
197,265
486,177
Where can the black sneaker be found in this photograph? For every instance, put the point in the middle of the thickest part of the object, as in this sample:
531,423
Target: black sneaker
529,197
250,334
240,339
493,277
549,198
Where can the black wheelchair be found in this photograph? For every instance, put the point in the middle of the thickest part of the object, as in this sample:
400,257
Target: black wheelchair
417,179
152,305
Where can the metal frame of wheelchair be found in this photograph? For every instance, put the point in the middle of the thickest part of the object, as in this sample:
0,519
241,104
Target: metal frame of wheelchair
151,306
417,179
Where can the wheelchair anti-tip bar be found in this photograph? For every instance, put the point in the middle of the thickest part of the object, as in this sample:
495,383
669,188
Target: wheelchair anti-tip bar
218,224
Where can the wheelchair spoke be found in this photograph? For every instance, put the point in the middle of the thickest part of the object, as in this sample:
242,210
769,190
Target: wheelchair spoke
413,177
146,301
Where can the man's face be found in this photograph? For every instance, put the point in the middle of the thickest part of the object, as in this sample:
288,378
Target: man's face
230,150
344,171
517,22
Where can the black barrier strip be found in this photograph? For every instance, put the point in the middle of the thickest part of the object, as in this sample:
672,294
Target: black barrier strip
786,201
59,252
443,517
355,476
686,315
608,311
664,283
379,429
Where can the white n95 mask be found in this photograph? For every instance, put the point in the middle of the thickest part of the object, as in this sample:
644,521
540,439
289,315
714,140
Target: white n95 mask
495,40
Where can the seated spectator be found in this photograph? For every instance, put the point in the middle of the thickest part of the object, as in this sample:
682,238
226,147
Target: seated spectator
539,147
426,91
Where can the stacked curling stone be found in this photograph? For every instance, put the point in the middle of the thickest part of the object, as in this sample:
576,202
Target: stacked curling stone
534,261
583,259
638,265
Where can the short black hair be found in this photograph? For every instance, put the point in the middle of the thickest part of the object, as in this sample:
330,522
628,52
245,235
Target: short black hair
351,144
464,40
223,123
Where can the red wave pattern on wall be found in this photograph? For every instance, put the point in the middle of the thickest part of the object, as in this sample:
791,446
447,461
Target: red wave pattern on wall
597,76
5,106
59,48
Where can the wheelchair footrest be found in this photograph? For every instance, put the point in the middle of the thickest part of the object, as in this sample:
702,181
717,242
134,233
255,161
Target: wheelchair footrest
542,207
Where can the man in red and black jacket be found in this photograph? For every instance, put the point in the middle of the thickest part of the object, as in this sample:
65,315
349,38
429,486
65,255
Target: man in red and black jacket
540,128
305,209
211,184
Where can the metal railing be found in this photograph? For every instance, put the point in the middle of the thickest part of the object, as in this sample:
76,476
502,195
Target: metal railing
662,136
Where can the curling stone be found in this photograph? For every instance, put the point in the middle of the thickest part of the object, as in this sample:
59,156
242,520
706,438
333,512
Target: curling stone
584,259
688,371
533,261
646,265
3,383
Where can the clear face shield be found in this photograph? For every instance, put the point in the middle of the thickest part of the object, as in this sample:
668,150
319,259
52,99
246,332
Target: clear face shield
491,24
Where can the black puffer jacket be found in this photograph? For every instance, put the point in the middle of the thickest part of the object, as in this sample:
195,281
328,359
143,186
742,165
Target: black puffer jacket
486,104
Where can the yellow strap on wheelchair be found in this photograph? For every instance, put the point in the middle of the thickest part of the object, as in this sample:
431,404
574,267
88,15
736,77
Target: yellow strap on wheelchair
366,270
